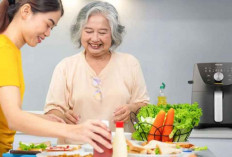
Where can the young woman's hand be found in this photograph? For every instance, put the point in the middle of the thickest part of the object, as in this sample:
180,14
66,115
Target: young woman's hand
93,132
71,118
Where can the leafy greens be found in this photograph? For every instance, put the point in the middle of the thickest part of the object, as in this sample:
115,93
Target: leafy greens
186,117
24,146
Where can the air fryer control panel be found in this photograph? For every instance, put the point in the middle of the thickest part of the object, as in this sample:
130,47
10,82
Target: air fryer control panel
216,73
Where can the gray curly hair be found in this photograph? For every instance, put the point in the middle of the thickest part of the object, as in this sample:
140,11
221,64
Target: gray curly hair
105,9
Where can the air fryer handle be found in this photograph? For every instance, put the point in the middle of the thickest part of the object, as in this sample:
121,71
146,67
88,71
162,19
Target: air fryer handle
218,110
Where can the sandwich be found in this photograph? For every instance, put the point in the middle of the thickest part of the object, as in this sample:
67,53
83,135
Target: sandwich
165,150
153,144
34,146
135,148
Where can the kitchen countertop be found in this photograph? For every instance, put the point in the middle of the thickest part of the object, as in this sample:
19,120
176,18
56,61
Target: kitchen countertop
196,133
212,133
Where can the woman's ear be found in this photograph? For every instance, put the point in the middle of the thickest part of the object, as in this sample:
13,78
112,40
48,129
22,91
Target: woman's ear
25,11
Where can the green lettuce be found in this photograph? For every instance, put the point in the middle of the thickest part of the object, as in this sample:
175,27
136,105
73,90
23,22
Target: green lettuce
200,148
24,146
157,152
186,117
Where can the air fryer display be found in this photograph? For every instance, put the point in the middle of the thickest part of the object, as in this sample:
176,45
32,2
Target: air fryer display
216,73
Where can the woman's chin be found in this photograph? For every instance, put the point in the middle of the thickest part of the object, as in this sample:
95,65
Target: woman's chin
32,44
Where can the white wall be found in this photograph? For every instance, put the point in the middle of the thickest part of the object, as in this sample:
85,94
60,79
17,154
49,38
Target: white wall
167,36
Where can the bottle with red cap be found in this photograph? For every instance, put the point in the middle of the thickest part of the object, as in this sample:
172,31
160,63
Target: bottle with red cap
107,152
119,142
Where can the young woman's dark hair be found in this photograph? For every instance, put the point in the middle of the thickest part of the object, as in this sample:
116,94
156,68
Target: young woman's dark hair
8,9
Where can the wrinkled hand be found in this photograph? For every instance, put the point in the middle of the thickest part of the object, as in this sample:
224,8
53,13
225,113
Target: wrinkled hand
53,118
71,118
92,132
122,113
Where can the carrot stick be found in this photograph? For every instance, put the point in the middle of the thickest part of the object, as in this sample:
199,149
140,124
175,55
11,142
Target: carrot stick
157,128
168,125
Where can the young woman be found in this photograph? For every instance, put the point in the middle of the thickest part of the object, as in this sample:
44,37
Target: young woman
30,22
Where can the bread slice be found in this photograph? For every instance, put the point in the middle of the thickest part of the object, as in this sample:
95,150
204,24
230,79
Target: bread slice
164,150
153,143
34,149
134,147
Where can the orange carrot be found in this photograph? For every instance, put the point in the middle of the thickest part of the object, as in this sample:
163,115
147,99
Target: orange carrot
168,125
157,128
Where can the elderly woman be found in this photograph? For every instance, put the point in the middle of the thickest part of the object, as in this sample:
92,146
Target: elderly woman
97,83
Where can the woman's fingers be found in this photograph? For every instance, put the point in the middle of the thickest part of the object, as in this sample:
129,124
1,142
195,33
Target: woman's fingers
95,146
70,117
119,111
100,140
68,121
98,123
101,129
122,117
54,118
125,119
93,132
97,133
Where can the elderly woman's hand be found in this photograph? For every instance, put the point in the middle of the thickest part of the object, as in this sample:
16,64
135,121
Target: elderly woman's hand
122,113
93,132
70,117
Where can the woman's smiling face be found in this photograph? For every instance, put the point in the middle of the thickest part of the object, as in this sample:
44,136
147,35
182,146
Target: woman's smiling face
36,27
96,35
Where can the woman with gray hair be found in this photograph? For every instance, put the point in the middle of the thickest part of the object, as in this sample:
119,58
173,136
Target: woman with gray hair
97,83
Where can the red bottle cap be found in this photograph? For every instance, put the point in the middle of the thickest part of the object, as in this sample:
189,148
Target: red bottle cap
119,124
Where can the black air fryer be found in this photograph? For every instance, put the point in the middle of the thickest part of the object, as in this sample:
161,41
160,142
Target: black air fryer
212,89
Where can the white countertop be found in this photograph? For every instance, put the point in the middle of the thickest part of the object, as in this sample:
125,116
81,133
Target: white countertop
212,133
225,133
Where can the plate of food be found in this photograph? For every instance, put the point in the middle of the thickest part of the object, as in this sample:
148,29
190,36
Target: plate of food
156,148
31,148
78,153
63,148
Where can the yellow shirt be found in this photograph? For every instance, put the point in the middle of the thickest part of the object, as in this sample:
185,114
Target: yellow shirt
11,74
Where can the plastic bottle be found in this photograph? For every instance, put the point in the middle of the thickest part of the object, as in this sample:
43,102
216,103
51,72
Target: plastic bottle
162,100
107,152
119,142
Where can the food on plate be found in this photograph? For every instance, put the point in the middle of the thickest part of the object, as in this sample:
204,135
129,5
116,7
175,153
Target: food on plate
75,155
153,144
185,145
168,126
165,150
34,146
153,147
63,148
186,117
134,147
157,127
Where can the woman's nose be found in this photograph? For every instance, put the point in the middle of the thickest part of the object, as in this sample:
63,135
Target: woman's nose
47,33
95,37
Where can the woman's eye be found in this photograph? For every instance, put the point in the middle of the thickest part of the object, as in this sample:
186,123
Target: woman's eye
102,33
89,32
